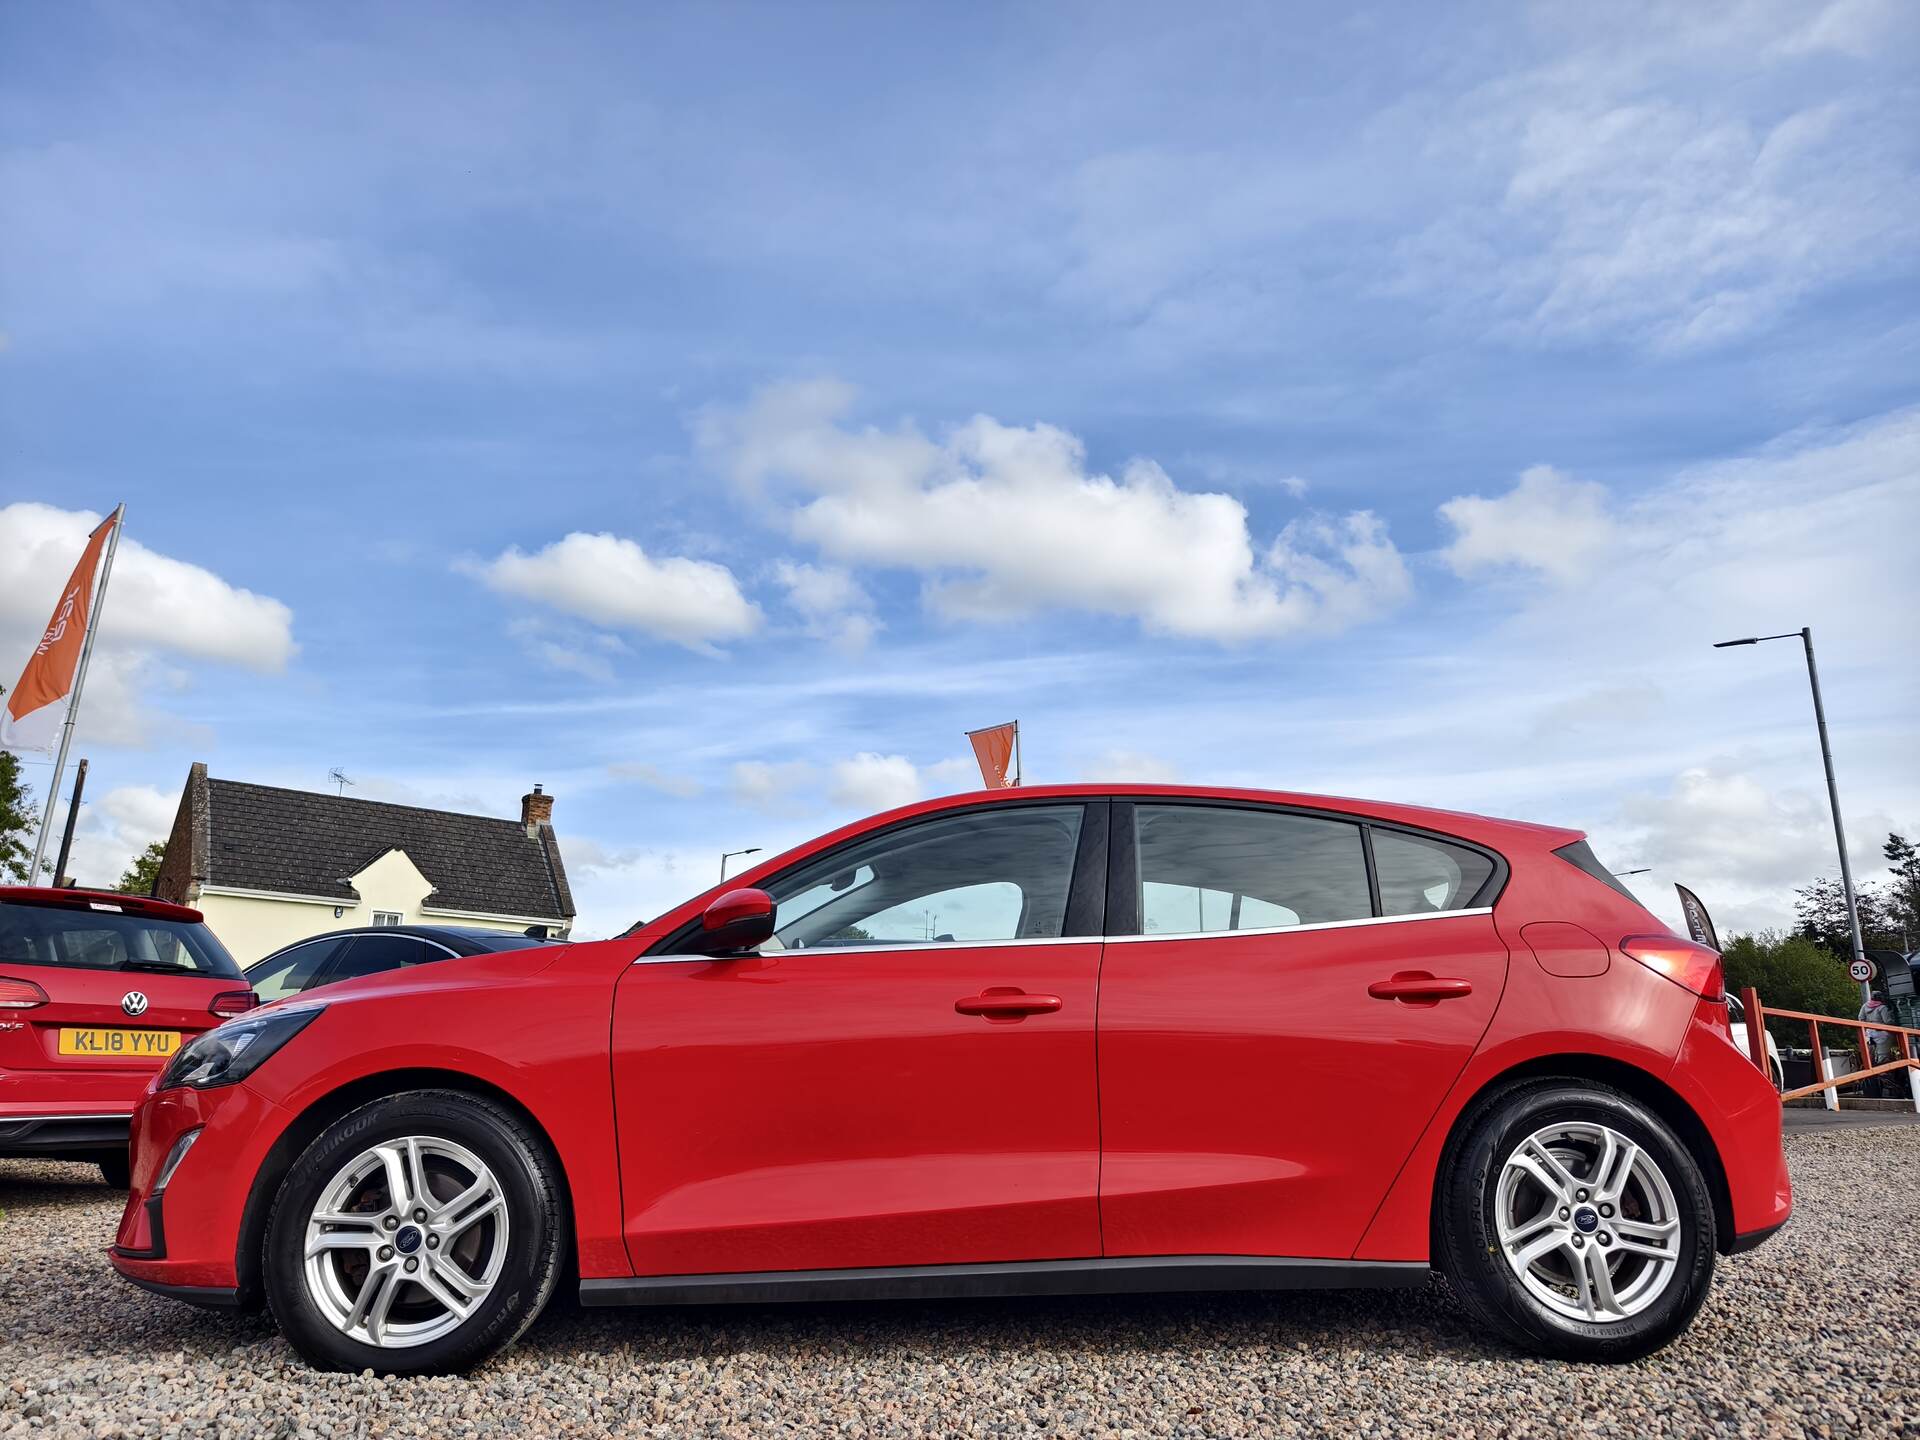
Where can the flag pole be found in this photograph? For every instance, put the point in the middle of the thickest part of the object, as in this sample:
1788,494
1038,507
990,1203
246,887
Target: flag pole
73,701
1017,776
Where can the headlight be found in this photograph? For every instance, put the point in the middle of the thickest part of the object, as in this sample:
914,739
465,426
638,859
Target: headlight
229,1053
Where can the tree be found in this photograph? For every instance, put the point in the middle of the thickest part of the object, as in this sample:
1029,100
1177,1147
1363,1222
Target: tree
1792,973
143,871
1822,908
1903,895
16,819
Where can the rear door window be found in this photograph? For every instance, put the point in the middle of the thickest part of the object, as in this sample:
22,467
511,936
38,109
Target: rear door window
1206,869
1420,875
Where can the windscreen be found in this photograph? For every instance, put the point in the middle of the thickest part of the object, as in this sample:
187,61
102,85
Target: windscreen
102,940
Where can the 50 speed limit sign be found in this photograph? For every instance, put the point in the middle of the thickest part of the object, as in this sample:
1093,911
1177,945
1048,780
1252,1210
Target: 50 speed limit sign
1861,970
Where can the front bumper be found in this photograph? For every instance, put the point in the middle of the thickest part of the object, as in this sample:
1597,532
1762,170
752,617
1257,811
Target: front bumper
183,1240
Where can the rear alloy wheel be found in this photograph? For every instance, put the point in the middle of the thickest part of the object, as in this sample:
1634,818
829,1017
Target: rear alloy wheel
419,1234
1576,1223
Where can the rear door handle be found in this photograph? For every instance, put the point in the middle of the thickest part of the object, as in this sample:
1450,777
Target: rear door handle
1417,987
1006,1002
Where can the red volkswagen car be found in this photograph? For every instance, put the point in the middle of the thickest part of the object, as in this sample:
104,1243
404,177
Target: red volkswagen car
1039,1041
97,991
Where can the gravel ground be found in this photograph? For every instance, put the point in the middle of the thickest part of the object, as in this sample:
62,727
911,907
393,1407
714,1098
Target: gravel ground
1784,1346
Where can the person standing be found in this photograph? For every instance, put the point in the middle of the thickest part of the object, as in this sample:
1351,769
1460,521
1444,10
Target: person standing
1879,1042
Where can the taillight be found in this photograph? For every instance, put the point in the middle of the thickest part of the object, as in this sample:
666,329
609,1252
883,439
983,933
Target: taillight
20,994
1693,967
229,1003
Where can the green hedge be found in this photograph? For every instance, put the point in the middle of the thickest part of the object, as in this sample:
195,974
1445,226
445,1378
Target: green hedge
1793,973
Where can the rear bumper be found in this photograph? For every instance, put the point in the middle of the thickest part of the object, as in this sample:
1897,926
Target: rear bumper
23,1136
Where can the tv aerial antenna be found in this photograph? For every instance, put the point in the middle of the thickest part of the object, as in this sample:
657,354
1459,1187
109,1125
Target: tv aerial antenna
339,778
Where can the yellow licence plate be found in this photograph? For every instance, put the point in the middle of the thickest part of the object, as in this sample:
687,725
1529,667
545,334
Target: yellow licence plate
145,1044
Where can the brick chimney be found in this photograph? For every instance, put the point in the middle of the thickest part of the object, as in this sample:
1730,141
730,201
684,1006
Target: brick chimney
536,810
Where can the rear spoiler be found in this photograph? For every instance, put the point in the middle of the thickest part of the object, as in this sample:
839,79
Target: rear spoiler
110,901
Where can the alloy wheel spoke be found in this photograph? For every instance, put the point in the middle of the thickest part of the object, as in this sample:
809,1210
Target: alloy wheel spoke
435,1281
375,1300
1600,1278
456,1279
1638,1237
342,1240
1551,1176
1615,1168
422,1193
473,1205
399,1191
1539,1246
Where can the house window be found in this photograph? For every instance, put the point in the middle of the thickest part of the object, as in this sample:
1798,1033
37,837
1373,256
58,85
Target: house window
386,917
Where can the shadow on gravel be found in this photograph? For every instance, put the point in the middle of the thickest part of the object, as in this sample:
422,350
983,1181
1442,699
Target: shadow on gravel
43,1185
1422,1323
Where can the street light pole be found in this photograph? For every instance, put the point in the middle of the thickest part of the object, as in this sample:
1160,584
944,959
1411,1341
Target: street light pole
1805,636
726,855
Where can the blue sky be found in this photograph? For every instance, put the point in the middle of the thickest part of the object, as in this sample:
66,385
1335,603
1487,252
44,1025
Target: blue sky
710,412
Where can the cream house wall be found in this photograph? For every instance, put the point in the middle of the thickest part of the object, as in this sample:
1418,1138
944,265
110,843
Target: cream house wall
254,923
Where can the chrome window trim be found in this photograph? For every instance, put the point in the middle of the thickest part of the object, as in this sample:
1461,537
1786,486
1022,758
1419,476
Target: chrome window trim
1296,929
911,945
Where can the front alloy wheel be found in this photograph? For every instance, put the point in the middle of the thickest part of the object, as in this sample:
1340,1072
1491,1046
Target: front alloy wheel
421,1233
1572,1219
407,1241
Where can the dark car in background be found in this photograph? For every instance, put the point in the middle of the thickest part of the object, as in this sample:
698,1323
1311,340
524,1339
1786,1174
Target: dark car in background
371,950
97,992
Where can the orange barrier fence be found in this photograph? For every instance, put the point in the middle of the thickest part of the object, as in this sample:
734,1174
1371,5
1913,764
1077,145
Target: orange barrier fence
1907,1039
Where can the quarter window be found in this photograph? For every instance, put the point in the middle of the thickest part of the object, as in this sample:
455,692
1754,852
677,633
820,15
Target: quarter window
999,874
1205,869
1419,875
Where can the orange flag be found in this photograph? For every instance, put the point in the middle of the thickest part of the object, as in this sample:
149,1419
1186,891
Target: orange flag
997,748
34,710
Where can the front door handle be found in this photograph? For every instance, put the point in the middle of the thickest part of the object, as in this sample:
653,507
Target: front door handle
1006,1002
1417,987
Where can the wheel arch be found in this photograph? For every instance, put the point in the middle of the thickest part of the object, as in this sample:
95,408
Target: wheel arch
328,1108
1642,1085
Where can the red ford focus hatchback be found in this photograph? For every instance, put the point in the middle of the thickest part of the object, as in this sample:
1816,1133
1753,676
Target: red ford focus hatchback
97,991
1062,1039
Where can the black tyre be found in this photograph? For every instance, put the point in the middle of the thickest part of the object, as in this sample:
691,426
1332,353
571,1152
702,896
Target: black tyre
116,1169
419,1234
1575,1223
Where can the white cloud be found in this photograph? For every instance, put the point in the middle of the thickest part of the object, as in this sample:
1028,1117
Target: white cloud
588,654
1666,178
1135,765
1005,521
832,603
153,602
774,788
611,580
1742,845
1549,522
113,827
871,782
654,778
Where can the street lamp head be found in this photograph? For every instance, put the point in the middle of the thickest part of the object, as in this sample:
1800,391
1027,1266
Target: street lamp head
1723,644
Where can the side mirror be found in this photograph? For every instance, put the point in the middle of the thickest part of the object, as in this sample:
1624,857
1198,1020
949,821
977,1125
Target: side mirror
736,921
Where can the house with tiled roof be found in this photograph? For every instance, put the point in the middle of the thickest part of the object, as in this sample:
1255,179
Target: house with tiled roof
268,866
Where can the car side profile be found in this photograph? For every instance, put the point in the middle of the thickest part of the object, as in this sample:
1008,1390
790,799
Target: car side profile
356,953
97,992
1049,1040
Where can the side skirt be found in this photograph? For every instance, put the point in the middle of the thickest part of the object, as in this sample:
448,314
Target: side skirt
1126,1275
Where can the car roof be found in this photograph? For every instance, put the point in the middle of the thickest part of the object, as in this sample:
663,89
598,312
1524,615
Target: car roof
69,898
467,939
